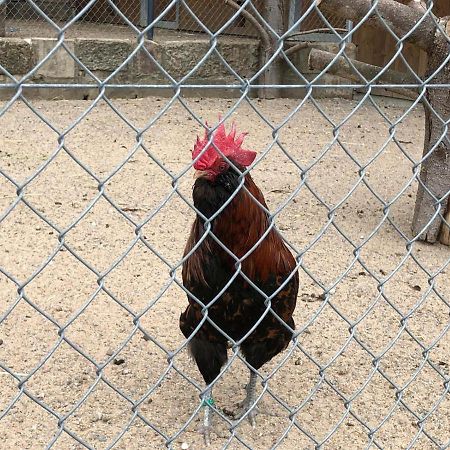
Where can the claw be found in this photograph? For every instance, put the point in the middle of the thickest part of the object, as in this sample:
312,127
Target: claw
206,431
208,428
252,416
248,407
250,410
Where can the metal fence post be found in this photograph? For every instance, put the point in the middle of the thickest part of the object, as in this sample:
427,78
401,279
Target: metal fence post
150,18
147,15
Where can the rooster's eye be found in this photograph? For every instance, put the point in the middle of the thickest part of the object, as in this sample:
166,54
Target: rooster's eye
222,166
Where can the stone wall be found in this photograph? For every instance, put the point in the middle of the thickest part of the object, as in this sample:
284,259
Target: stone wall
101,58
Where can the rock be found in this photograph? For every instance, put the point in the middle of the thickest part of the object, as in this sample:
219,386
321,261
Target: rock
60,62
119,360
97,416
100,437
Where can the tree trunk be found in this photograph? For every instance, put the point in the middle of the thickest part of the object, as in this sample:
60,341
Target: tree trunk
320,60
435,170
400,18
434,178
274,15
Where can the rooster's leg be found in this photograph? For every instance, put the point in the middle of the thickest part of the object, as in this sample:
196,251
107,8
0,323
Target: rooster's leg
248,407
210,356
206,428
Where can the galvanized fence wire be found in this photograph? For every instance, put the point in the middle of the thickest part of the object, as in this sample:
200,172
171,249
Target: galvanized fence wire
24,11
22,19
212,15
245,88
102,18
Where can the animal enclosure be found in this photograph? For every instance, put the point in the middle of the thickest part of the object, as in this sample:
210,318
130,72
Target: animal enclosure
95,211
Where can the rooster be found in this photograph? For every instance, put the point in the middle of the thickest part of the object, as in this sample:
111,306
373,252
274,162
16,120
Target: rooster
247,289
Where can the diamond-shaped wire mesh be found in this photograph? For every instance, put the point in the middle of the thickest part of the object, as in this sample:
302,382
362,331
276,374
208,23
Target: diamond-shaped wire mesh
99,20
96,208
313,21
213,14
103,20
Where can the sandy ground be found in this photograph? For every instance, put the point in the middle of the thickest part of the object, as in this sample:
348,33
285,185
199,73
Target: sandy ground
360,377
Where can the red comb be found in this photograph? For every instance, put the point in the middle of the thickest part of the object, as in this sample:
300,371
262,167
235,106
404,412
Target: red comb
228,144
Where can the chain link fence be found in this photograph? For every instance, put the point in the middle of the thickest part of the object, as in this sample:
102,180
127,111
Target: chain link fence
37,19
194,15
96,206
312,22
101,18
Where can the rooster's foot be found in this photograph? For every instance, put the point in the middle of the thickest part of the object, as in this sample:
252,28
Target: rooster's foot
208,430
209,425
247,409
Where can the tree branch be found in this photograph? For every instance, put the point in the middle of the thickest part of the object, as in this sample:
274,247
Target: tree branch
417,5
265,38
319,60
398,17
317,30
295,48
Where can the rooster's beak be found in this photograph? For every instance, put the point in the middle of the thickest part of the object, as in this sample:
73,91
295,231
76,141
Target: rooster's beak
200,173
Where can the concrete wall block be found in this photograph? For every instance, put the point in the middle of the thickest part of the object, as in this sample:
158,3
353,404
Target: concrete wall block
243,57
102,57
16,55
123,77
60,64
105,55
143,66
178,58
181,56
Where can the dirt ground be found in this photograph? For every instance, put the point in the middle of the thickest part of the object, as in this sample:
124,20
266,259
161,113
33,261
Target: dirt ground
371,368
